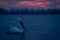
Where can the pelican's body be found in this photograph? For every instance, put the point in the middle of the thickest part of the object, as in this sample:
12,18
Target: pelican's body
15,30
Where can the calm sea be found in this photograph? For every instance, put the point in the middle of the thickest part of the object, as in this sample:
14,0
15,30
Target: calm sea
38,27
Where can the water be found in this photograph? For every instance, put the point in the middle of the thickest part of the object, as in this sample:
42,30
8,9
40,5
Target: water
38,27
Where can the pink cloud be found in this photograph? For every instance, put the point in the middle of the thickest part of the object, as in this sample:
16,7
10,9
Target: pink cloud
34,4
58,6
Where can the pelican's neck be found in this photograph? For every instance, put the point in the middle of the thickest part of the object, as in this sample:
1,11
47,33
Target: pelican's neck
22,25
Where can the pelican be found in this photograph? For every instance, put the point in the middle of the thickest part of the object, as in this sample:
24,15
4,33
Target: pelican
15,30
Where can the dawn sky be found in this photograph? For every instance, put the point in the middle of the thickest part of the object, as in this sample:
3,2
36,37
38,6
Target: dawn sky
30,3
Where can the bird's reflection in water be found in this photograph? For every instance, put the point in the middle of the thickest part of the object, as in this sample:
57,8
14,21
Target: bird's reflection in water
22,35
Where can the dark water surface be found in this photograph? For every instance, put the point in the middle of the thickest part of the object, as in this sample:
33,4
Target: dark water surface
38,27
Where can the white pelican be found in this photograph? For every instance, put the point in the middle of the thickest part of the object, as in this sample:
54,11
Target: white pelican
15,30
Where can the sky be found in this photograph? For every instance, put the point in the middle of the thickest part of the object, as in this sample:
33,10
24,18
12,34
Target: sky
45,4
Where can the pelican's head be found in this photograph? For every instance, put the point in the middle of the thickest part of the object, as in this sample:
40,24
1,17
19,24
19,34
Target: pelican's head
21,23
